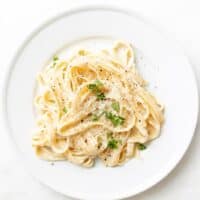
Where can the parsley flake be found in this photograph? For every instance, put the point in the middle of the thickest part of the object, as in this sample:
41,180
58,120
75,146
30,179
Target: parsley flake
98,83
96,89
55,58
100,96
141,146
113,144
115,106
65,110
95,117
115,119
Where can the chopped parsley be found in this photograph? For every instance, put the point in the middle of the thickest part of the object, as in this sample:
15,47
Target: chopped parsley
113,144
65,110
141,146
115,106
98,83
115,119
55,58
92,87
95,117
96,88
100,96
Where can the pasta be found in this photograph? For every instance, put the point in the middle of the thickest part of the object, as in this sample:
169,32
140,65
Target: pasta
94,105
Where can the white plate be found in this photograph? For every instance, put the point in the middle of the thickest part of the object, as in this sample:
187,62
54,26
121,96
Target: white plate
160,61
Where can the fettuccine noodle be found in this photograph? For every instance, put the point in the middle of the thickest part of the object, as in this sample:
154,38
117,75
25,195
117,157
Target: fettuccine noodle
94,105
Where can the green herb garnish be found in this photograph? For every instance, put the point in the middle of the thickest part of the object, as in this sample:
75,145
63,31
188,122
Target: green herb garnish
115,119
113,144
65,110
96,86
55,58
95,117
92,87
98,83
141,146
96,89
100,96
115,106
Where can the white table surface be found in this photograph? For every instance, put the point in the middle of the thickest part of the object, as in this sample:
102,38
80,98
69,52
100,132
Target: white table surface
180,18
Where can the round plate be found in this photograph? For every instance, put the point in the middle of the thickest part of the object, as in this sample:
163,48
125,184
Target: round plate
160,61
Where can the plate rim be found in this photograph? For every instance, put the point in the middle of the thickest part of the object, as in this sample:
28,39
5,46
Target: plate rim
77,9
